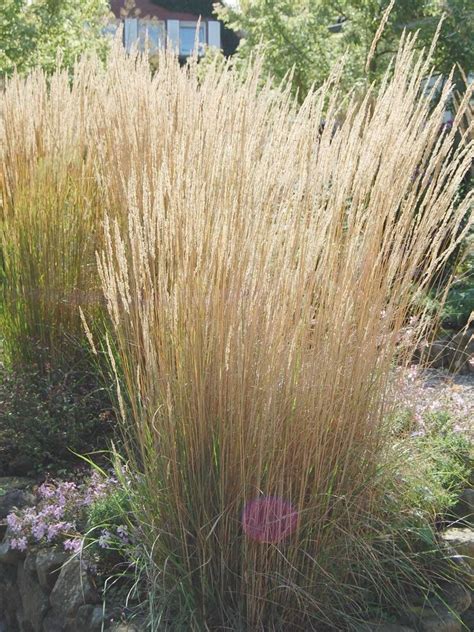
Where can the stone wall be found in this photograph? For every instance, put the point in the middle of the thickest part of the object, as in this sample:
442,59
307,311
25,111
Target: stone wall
46,591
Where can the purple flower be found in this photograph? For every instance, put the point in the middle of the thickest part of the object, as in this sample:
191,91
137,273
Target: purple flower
14,523
58,529
39,530
122,533
73,544
19,543
46,491
61,504
104,540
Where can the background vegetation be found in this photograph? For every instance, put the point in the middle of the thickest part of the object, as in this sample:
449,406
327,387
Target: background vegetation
306,36
32,33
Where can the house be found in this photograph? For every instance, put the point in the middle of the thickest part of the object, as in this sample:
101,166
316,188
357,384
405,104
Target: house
144,21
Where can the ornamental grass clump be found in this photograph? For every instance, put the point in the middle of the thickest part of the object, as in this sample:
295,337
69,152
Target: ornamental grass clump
50,215
262,265
260,278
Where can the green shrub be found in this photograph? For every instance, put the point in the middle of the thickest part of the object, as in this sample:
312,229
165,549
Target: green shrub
46,417
436,466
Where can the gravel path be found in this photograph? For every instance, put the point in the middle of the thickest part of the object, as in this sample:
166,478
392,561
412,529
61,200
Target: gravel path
438,389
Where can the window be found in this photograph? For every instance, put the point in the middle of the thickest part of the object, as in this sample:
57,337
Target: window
154,32
187,37
111,28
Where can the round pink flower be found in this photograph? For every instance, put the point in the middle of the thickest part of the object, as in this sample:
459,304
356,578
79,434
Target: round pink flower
269,519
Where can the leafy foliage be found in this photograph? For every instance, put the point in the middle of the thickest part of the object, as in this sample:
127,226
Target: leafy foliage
305,36
45,418
32,33
460,299
198,7
437,465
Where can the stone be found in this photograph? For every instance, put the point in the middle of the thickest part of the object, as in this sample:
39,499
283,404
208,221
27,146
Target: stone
89,618
9,597
48,566
468,618
445,623
462,346
458,598
14,492
454,352
9,555
55,622
384,627
34,600
30,563
72,589
462,541
439,356
465,507
464,569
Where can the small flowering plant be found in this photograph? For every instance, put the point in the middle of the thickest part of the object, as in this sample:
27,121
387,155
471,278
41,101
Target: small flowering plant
65,513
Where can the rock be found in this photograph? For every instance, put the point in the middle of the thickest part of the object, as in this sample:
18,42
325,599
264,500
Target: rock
89,618
72,589
445,616
9,555
462,541
55,622
384,627
446,623
443,613
465,507
464,569
468,618
34,600
462,346
30,563
48,566
439,356
455,353
9,597
14,493
458,598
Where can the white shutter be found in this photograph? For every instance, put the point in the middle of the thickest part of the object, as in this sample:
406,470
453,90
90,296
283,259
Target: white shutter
214,33
173,34
130,32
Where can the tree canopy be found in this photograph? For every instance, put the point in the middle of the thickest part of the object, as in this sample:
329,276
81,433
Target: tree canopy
305,36
198,7
30,34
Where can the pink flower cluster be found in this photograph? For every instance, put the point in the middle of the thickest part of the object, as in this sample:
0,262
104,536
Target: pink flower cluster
62,506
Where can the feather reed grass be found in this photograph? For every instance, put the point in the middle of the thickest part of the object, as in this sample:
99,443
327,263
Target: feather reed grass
258,292
51,215
259,263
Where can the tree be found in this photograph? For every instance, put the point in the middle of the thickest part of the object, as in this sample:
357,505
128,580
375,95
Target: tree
305,36
197,7
32,33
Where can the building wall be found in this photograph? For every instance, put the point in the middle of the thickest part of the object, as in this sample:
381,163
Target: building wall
148,24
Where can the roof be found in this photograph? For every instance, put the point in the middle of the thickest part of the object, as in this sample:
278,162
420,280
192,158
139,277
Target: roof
147,9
